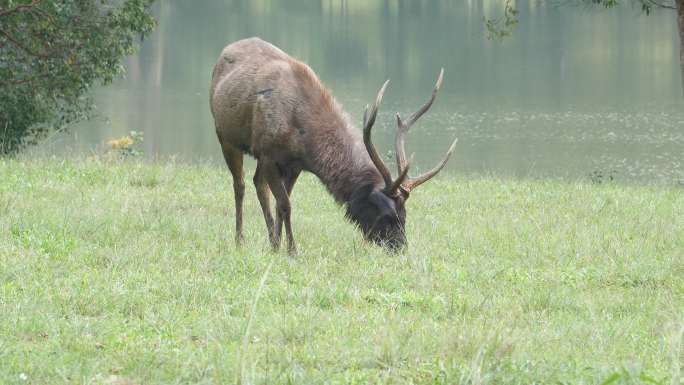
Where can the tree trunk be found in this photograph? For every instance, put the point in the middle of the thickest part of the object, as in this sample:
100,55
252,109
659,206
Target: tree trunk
680,24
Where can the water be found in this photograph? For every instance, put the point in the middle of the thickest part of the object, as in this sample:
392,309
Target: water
574,93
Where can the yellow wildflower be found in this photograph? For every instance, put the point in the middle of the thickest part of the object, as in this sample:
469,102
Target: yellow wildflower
121,143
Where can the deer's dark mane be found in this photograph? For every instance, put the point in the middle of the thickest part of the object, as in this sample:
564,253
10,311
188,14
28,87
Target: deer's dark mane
338,155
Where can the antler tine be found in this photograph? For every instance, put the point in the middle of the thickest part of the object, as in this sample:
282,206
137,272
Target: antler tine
400,179
403,126
412,183
400,145
368,121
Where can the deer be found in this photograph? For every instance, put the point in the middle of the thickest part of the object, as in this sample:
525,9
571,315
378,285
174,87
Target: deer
273,107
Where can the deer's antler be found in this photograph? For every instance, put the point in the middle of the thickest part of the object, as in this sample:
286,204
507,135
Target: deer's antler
402,128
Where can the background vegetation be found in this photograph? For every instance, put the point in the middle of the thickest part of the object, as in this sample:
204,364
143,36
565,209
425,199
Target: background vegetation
53,52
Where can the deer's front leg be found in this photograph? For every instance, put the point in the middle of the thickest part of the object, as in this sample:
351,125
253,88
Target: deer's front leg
270,133
277,184
289,179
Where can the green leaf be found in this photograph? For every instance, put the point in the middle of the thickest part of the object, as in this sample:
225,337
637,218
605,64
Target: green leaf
612,378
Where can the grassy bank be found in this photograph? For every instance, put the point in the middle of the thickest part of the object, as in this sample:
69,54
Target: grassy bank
129,269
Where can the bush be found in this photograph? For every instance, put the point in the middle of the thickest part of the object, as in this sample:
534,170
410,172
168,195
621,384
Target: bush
53,52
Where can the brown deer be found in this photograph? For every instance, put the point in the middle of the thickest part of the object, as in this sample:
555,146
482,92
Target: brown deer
273,107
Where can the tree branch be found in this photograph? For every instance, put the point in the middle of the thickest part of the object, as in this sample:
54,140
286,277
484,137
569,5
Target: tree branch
23,47
43,75
19,8
661,5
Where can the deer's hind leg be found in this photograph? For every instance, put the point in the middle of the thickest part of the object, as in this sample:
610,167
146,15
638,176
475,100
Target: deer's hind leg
234,158
264,196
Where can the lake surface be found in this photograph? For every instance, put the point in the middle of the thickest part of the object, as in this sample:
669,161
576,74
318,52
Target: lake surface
574,93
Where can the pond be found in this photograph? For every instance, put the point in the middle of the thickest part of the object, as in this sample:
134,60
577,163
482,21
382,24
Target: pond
573,93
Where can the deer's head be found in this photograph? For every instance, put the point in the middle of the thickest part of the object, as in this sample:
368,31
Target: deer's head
380,212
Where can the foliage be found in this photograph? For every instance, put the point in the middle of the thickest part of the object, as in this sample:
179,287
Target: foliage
599,176
53,52
127,270
503,26
646,6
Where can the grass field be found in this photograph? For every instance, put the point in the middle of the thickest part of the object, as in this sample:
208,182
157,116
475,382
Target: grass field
126,272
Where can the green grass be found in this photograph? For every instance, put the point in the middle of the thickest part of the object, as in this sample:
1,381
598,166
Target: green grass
129,269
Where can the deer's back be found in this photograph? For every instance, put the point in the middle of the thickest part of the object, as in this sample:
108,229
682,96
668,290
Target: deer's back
253,77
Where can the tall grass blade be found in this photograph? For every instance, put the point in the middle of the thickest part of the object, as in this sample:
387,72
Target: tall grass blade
245,340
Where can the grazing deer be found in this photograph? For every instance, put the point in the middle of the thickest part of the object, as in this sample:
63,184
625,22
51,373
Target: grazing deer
273,107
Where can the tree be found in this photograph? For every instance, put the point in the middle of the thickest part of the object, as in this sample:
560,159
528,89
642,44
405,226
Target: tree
52,52
502,27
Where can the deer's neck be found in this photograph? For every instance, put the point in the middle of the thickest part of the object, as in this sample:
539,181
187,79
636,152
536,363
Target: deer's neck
342,163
